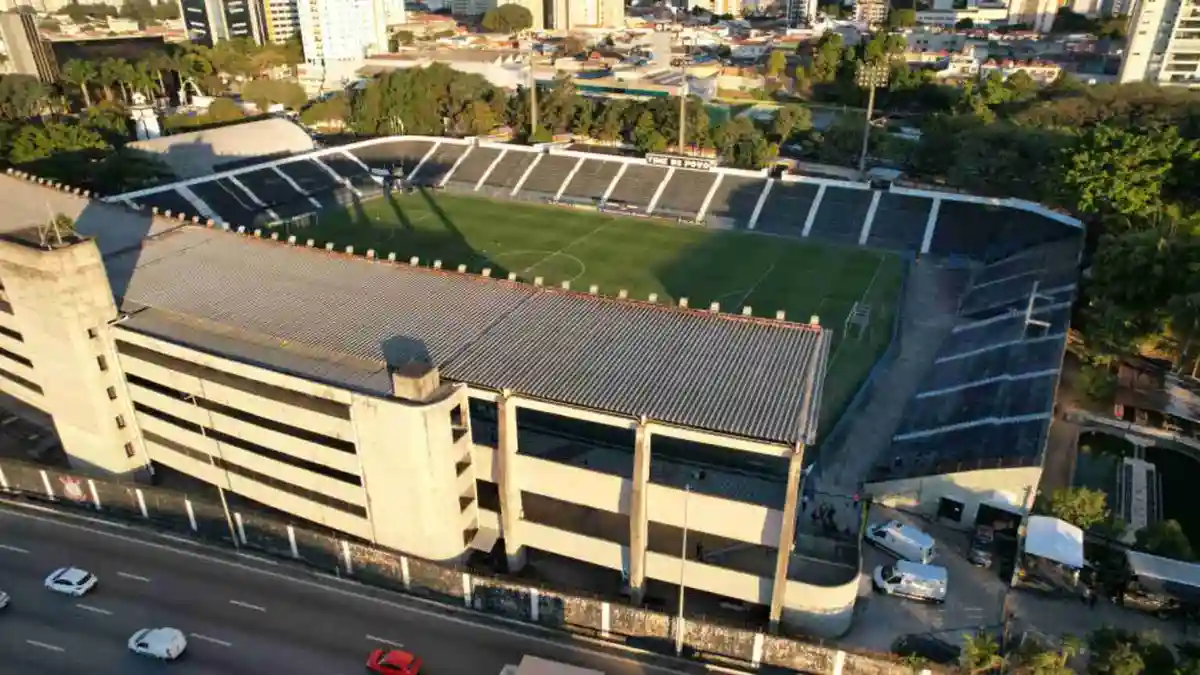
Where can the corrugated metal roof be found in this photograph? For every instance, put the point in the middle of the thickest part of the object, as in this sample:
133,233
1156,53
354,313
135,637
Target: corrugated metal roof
723,373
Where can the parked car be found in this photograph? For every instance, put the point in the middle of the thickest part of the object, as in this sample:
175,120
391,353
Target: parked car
983,547
903,541
911,580
167,644
3,599
71,581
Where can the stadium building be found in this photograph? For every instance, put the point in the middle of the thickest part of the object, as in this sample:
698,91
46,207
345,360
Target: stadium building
440,411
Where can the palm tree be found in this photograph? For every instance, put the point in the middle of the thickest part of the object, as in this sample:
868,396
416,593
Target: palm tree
142,79
111,71
190,66
157,63
980,654
79,73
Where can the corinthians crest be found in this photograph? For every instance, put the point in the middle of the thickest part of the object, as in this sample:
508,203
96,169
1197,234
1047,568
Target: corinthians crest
72,488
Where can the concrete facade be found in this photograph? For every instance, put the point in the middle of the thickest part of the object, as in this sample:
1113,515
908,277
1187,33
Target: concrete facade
1011,490
1164,44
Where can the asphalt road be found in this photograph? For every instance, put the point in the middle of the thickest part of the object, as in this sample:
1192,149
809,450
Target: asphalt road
242,616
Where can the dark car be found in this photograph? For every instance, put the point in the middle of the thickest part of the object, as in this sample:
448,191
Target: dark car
927,647
983,546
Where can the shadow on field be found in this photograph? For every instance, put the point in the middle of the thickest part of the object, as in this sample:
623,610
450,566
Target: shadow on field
408,224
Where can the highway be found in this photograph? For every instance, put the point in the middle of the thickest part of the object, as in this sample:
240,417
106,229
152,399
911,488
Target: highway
242,616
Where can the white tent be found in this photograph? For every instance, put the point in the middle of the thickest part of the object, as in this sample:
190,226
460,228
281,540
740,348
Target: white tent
1054,539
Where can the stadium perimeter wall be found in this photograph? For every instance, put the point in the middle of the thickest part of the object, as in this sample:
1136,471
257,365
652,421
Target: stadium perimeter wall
509,599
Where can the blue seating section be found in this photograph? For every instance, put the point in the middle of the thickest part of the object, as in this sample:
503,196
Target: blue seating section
735,199
474,167
899,222
591,181
684,194
438,165
986,401
787,208
841,214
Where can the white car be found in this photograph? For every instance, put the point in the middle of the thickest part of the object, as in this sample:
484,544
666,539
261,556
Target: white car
71,581
3,599
161,643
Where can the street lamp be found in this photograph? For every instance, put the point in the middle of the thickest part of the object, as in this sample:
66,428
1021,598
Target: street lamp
870,76
687,492
212,461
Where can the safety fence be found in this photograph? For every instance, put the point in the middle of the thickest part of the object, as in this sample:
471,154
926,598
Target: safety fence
201,518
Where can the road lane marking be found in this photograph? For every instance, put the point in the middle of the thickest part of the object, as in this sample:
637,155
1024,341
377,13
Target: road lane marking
135,577
44,645
14,549
247,605
89,608
213,640
411,604
384,641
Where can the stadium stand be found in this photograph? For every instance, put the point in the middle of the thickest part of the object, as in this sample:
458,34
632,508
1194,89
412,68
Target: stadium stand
591,181
987,400
547,177
439,164
734,201
270,187
404,153
899,223
637,187
509,171
684,194
347,168
966,228
167,200
311,178
467,175
228,200
787,208
840,215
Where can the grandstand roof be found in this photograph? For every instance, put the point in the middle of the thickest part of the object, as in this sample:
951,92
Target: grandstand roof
342,319
747,377
199,153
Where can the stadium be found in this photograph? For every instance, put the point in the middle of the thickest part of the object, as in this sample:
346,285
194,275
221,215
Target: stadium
581,355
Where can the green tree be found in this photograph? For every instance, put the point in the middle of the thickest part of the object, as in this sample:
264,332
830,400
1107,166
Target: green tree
789,120
826,57
902,18
109,119
1113,170
1165,538
22,97
1080,506
332,111
79,74
67,143
508,19
112,72
776,63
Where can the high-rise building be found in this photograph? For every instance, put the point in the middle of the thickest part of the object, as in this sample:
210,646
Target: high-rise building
281,19
1038,15
1164,43
28,53
801,12
209,21
342,30
871,12
569,14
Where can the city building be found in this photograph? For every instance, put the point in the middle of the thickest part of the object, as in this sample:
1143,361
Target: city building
27,52
479,7
342,30
870,12
801,13
281,19
210,21
1037,15
1163,44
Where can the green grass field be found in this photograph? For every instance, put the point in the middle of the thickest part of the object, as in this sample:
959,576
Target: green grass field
641,256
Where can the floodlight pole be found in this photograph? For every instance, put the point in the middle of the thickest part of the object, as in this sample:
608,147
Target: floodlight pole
870,76
533,108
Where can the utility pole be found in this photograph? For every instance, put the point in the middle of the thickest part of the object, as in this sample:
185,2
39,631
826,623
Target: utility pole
870,77
687,492
683,94
533,110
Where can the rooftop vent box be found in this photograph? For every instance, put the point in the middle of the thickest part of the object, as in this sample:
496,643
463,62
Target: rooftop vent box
415,380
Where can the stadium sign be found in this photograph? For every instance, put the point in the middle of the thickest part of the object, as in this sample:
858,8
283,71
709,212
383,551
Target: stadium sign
682,162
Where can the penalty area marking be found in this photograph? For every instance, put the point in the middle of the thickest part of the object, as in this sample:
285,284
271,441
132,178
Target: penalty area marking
501,256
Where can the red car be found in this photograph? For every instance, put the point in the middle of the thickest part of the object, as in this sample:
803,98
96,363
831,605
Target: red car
393,662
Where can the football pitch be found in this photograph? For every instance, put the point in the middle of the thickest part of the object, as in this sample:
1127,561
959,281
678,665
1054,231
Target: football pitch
643,257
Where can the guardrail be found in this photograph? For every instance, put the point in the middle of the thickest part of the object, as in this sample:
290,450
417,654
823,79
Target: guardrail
515,599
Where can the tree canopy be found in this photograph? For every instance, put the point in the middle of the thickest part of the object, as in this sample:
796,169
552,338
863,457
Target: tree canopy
1080,506
508,18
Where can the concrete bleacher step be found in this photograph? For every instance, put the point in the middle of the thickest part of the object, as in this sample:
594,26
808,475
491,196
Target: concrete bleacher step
928,316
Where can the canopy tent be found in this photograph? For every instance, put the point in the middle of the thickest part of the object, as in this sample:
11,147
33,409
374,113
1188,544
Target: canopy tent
1174,577
1055,540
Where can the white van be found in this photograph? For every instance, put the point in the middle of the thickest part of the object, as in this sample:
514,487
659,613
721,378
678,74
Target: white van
903,541
911,580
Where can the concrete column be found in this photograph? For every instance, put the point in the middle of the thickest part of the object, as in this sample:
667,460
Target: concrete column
510,490
638,523
787,536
